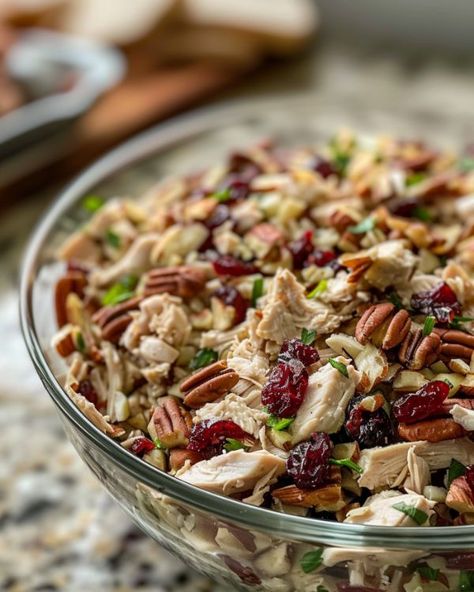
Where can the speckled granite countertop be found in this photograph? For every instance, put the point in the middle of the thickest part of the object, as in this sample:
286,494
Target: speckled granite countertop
58,528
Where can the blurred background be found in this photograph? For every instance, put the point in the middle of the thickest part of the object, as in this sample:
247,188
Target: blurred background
78,77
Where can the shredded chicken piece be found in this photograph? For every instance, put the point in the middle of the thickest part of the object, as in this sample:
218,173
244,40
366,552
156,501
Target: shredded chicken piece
379,510
326,400
418,472
233,472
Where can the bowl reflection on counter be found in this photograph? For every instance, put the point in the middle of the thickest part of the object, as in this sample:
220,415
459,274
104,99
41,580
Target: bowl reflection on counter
245,546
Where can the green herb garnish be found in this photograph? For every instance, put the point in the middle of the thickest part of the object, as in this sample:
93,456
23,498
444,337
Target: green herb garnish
414,513
279,423
342,368
395,300
92,203
159,444
319,289
257,290
233,444
429,325
457,322
121,291
203,358
113,239
347,462
311,560
466,164
414,178
80,343
222,196
466,581
456,469
321,589
308,337
422,214
428,573
365,225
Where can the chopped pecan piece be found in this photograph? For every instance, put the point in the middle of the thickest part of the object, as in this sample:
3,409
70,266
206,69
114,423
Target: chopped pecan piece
184,281
455,344
113,320
208,384
327,498
465,403
460,495
179,457
341,221
417,350
431,430
170,423
73,281
64,342
379,324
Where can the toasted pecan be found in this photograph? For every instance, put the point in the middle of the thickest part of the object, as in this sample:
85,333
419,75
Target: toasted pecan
455,344
431,430
73,281
179,457
170,423
208,384
418,350
460,495
371,320
106,314
184,281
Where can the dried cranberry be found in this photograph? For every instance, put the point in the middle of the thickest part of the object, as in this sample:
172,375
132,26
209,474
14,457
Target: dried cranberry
220,214
285,388
141,446
368,428
230,296
428,400
301,249
238,187
321,258
228,265
460,560
323,167
209,436
87,390
441,302
308,463
404,207
247,576
295,349
246,168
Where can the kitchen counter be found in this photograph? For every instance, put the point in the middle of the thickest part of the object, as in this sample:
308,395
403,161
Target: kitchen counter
59,529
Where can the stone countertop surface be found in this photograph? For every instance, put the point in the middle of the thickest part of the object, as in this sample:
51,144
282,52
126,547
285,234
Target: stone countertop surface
59,529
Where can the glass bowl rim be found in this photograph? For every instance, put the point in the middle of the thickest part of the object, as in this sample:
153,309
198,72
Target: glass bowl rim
154,141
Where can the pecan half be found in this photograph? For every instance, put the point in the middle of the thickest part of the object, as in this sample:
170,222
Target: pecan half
184,281
371,320
450,403
113,320
455,344
73,281
418,350
208,384
460,495
170,423
327,498
382,325
179,457
431,430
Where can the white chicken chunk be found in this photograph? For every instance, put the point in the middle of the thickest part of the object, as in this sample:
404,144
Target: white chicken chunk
385,466
233,472
286,311
325,403
464,417
379,510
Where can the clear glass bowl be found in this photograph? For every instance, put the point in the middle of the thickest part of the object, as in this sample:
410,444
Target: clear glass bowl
246,546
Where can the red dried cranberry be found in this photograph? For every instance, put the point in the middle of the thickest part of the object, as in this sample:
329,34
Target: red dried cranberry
469,474
87,390
323,167
301,249
368,428
285,388
428,400
441,302
247,576
460,560
209,436
295,349
308,463
141,446
321,258
220,214
230,296
237,186
404,207
228,265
